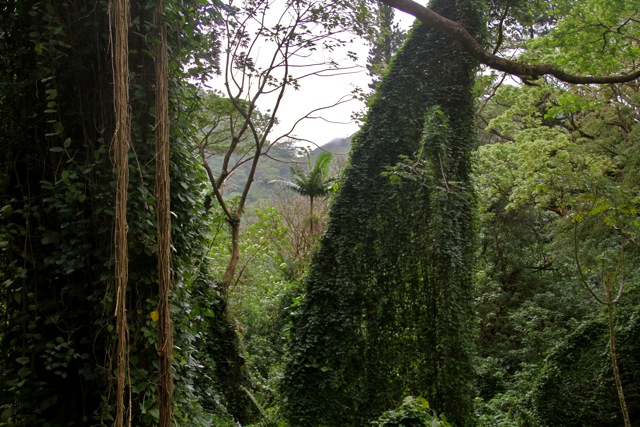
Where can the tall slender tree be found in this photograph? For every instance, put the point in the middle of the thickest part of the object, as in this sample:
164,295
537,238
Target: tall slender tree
163,218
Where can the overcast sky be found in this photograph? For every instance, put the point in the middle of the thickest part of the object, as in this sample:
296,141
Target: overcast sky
319,92
323,91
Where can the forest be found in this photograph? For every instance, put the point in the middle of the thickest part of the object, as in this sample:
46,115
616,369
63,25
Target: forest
174,253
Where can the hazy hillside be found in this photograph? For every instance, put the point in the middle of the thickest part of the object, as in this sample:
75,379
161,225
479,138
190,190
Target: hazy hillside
277,166
337,146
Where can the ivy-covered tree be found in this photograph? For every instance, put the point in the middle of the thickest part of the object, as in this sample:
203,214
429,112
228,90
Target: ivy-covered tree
57,341
388,295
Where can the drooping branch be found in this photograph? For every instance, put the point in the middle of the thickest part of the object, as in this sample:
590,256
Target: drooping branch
525,71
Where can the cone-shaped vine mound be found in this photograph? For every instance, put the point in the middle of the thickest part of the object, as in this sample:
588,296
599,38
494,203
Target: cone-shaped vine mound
388,292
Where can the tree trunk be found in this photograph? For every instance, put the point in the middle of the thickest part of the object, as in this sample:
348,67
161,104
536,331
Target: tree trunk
121,143
614,359
229,274
311,218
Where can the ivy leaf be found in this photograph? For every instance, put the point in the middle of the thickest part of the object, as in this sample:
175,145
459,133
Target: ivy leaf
23,360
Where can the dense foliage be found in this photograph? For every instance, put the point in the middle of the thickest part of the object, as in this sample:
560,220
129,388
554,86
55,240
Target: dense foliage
58,206
558,190
579,370
387,300
540,240
413,412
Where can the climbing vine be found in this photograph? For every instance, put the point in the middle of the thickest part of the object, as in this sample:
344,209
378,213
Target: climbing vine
387,304
57,209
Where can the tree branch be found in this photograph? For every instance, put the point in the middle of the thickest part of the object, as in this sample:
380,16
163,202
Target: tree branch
501,28
525,71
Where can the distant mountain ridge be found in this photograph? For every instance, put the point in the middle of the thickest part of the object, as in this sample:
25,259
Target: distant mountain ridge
277,166
336,146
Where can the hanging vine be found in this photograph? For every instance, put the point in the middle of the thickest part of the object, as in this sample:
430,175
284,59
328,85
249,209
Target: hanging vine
121,143
163,211
69,72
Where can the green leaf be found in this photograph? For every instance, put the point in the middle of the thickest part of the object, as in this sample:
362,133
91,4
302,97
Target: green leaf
24,372
23,360
51,94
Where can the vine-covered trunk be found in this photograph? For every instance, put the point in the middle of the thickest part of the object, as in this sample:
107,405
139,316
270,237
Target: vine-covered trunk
121,141
163,214
71,92
387,310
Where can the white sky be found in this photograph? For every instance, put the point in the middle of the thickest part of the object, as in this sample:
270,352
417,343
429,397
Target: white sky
321,91
317,92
